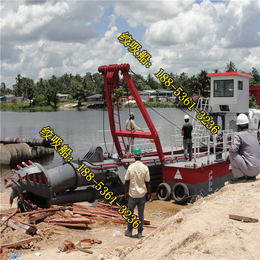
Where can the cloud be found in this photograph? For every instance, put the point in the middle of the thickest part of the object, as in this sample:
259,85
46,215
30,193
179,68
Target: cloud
146,13
10,53
54,21
42,38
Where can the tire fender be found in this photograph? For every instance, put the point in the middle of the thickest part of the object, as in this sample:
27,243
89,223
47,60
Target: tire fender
163,192
180,193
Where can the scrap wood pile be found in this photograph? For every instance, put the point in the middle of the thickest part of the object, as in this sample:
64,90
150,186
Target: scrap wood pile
103,212
76,216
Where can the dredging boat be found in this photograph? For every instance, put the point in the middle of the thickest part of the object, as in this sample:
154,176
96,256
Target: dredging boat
171,176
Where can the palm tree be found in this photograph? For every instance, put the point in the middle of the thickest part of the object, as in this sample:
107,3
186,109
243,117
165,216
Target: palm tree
230,67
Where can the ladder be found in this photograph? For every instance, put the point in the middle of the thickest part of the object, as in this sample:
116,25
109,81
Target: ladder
198,128
118,123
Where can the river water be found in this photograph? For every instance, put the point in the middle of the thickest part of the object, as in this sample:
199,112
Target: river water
78,129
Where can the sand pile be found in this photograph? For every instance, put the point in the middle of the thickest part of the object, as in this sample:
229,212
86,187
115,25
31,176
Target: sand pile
205,231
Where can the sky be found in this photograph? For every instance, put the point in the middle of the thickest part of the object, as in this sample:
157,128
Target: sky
48,37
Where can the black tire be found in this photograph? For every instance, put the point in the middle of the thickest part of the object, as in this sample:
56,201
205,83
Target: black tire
180,193
163,192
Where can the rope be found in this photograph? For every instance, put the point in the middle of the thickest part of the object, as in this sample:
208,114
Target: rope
159,93
104,136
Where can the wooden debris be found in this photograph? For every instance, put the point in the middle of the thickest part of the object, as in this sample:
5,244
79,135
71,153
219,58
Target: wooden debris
20,242
241,218
38,216
65,246
42,210
12,214
73,225
103,213
84,250
19,225
70,221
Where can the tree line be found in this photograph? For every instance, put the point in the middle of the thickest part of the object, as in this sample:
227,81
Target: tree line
44,92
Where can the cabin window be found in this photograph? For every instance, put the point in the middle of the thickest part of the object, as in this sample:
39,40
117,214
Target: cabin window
240,85
224,88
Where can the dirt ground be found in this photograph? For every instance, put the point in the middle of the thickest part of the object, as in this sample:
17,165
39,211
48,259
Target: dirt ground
199,231
156,211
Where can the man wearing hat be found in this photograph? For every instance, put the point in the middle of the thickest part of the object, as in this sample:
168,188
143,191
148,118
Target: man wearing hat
187,140
244,153
130,126
137,184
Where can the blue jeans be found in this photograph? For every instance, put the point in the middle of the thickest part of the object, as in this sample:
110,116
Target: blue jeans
187,143
140,202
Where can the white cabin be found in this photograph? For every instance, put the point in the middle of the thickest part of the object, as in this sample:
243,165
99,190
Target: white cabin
229,96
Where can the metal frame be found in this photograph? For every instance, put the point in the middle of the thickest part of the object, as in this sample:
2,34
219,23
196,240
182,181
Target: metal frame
111,78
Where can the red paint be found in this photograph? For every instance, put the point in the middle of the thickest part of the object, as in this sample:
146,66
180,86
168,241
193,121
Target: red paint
234,73
195,176
46,180
7,186
24,164
14,181
34,177
40,179
29,161
27,176
18,166
20,177
13,170
256,92
111,77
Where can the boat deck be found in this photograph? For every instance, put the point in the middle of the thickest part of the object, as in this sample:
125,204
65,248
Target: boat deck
202,159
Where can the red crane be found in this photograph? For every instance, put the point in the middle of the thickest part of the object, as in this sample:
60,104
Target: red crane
111,78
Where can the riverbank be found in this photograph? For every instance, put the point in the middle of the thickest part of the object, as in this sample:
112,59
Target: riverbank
205,231
20,107
25,107
200,231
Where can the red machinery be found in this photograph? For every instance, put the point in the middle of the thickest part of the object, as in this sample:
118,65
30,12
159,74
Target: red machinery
111,78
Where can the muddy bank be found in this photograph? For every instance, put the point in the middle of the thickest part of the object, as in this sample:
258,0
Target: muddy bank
204,231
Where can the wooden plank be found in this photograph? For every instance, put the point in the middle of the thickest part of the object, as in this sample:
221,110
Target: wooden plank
242,218
90,212
70,220
38,216
12,214
72,225
84,250
42,210
25,228
20,242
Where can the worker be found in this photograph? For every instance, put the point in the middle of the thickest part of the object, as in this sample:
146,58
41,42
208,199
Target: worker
187,138
131,126
137,184
244,153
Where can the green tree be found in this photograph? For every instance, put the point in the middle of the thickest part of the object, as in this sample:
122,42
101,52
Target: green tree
151,82
120,92
99,83
30,89
79,92
203,82
54,87
4,90
41,87
230,67
17,88
255,81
